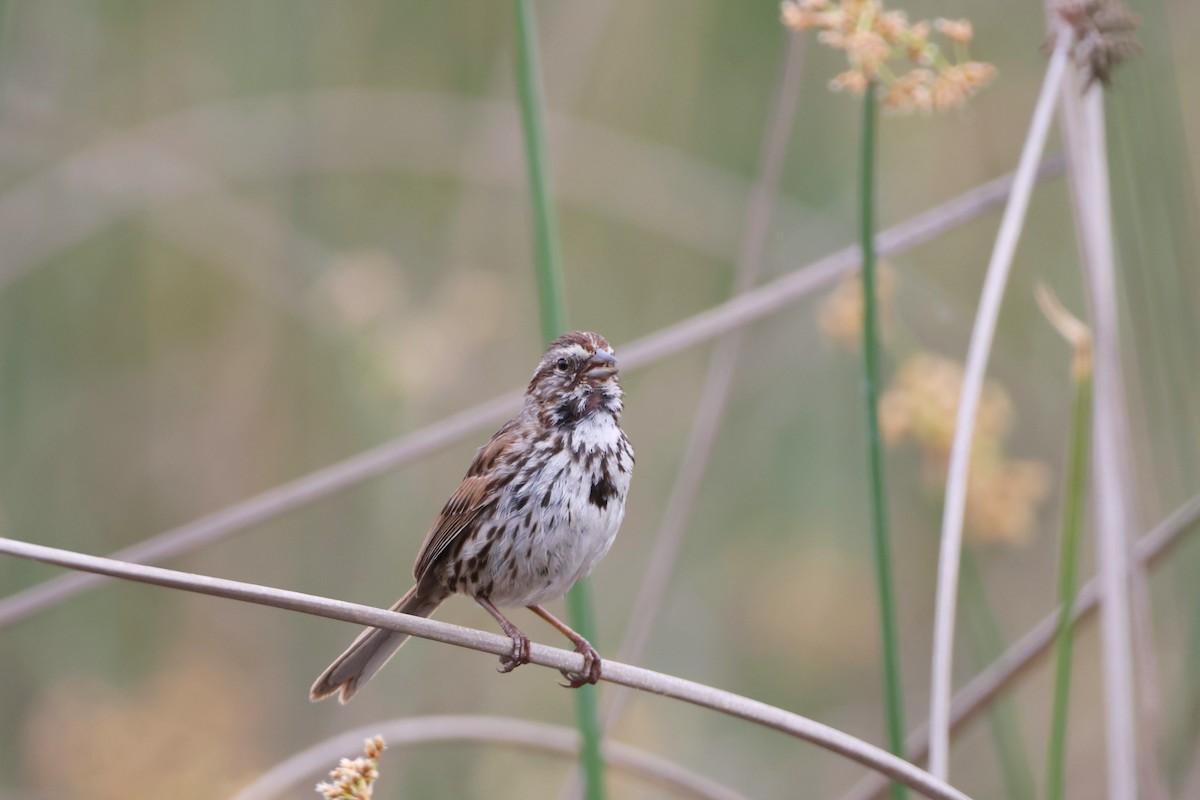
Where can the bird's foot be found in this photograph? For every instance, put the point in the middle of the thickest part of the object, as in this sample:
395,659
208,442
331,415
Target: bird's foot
519,654
591,667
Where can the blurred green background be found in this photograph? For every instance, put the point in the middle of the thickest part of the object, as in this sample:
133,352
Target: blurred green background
242,241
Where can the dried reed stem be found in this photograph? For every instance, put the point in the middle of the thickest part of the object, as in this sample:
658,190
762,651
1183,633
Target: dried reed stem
1087,168
964,429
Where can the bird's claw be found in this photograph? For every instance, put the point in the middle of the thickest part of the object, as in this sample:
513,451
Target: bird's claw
519,654
591,668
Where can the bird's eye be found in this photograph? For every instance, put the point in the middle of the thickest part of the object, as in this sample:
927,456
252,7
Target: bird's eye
562,365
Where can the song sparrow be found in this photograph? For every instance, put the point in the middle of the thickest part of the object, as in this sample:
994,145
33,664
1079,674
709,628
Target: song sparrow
539,506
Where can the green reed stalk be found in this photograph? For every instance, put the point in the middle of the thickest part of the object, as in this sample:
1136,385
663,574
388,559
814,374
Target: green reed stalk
1081,425
552,296
892,684
552,304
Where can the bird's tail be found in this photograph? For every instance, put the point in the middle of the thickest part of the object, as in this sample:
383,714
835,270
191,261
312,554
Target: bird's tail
373,648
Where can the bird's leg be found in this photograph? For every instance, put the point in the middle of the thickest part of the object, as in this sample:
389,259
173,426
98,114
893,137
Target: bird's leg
520,650
591,659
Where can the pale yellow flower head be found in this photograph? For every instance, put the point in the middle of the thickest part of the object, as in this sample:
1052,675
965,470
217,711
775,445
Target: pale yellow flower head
1003,494
883,46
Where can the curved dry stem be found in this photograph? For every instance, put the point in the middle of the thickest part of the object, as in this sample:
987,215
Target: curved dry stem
738,312
508,731
787,289
613,671
975,698
972,388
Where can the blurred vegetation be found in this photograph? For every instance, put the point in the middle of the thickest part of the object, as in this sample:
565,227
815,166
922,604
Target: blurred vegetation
245,240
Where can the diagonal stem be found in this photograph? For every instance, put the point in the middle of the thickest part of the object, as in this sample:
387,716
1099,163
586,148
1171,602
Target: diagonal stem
982,690
728,316
988,643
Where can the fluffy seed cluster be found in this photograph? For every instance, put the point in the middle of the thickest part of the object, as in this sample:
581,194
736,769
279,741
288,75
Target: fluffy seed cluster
1103,36
354,779
883,46
1003,494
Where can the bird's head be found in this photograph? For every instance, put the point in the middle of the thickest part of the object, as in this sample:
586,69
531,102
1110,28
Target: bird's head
577,377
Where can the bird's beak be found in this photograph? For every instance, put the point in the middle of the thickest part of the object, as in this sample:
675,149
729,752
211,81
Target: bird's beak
601,366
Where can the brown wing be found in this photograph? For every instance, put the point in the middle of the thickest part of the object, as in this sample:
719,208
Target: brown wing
477,491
